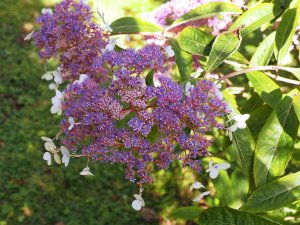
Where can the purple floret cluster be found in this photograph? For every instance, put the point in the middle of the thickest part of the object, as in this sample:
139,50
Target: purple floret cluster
174,9
118,117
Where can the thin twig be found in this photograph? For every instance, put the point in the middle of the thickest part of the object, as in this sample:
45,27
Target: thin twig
263,68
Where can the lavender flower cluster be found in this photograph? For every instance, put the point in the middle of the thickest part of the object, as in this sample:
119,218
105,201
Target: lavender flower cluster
174,9
123,120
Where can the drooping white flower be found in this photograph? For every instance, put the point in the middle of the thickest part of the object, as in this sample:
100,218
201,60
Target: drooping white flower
66,155
72,123
29,36
188,88
214,169
47,11
57,101
197,73
169,51
196,185
138,203
82,78
86,172
200,196
47,157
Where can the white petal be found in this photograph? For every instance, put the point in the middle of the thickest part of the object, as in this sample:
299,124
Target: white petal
230,135
138,197
136,205
233,128
223,166
64,151
59,94
29,36
54,109
46,139
86,172
196,185
57,158
50,146
241,125
52,86
169,51
214,173
47,76
47,11
241,118
65,159
72,123
57,77
47,157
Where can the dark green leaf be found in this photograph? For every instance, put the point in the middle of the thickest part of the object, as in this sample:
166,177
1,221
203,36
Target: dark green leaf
224,45
149,78
129,25
186,213
285,33
255,17
275,142
257,119
275,194
211,9
228,216
268,90
252,104
264,52
184,60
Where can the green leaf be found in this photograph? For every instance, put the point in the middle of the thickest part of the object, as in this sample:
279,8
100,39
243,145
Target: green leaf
228,216
285,33
264,52
257,119
129,25
186,213
195,41
274,195
296,104
149,78
244,144
275,142
198,42
255,17
184,60
211,9
252,104
224,45
294,71
267,89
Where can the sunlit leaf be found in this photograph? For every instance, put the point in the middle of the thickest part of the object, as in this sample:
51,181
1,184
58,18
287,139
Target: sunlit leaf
225,215
129,25
224,45
186,213
275,194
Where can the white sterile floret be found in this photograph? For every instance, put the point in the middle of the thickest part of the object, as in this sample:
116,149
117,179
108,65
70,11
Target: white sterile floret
49,145
53,86
200,196
57,158
57,101
47,11
66,155
111,44
188,88
241,120
82,78
47,76
29,36
138,203
57,77
169,51
86,172
47,157
214,169
72,123
196,185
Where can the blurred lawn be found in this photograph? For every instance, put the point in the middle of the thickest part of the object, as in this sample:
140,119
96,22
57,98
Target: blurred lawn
31,192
